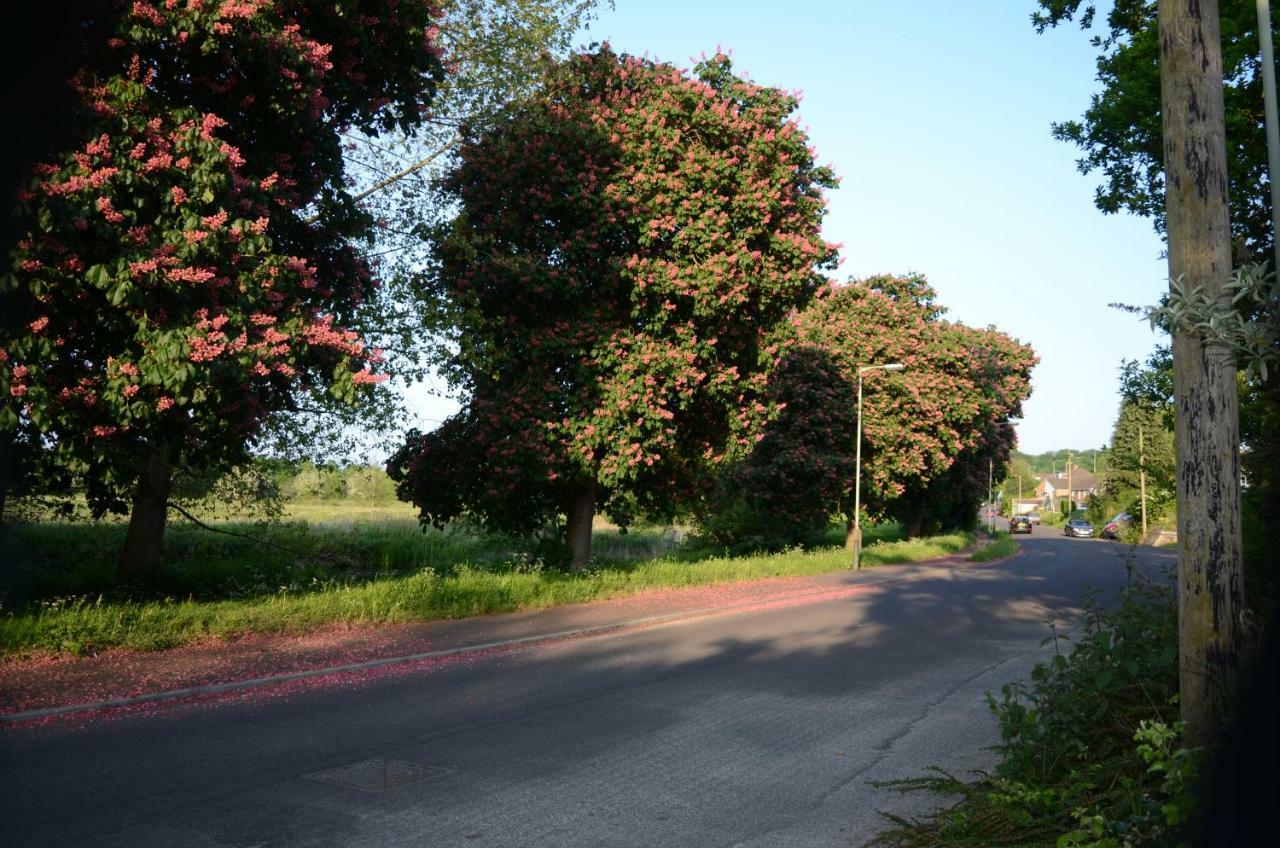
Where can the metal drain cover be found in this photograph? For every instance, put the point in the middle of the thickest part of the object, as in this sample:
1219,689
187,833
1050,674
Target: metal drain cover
377,775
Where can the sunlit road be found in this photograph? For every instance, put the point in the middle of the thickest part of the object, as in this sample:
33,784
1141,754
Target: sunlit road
760,728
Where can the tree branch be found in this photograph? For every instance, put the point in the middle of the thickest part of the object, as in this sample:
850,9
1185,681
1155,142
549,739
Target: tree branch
258,539
394,178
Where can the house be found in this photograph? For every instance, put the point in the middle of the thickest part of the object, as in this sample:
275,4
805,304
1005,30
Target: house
1078,486
1025,506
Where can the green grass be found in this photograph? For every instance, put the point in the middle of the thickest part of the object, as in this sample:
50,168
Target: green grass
299,576
349,510
1001,546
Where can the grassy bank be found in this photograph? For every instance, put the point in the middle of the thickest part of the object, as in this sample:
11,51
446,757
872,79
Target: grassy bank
296,577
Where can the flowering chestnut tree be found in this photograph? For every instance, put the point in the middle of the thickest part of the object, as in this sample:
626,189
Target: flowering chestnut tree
929,431
627,242
189,267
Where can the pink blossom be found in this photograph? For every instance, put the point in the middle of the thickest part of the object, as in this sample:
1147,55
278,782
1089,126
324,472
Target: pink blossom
189,275
39,324
208,124
99,177
366,376
158,162
147,12
163,404
104,206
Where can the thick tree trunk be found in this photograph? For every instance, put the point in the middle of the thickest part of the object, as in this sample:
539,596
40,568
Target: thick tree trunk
578,516
1210,591
850,537
144,540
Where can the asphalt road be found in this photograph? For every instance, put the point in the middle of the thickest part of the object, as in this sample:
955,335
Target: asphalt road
759,728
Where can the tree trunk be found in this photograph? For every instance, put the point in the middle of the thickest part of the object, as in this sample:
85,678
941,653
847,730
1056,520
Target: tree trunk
850,538
6,452
913,522
1210,591
143,546
577,531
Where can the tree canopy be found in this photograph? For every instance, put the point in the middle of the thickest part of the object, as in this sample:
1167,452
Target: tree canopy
627,240
929,432
1120,132
494,51
190,265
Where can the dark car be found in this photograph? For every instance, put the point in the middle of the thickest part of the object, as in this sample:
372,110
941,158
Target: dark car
1078,528
1019,524
1113,528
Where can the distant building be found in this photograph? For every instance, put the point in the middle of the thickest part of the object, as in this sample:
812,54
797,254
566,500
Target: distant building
1054,488
1023,506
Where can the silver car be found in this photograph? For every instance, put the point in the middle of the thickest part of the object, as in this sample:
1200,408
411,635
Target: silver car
1078,528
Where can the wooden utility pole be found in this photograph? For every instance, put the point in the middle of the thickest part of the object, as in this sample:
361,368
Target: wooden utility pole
1207,427
1071,495
1142,481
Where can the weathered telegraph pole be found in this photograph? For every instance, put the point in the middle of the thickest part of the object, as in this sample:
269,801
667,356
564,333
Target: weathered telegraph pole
1210,590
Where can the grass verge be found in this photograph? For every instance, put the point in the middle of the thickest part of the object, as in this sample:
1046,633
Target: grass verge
381,574
1000,546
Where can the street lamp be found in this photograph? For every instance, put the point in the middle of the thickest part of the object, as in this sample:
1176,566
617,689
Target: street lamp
857,471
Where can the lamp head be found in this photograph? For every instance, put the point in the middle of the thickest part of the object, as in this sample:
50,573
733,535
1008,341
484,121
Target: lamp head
895,366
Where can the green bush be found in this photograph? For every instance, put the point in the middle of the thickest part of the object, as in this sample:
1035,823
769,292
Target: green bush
1089,751
1053,519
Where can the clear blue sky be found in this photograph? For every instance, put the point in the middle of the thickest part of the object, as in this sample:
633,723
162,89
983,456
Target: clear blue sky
936,116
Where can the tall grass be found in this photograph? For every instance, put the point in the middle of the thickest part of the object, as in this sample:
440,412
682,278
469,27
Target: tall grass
302,576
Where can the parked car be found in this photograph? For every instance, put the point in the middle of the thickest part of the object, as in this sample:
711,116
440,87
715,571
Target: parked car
1033,517
1113,528
1078,528
1019,524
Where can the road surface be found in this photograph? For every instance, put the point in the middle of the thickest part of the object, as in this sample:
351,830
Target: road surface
758,728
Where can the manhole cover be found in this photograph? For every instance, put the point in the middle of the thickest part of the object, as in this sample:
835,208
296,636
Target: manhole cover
377,775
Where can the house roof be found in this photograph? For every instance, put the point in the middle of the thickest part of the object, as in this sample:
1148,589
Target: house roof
1081,480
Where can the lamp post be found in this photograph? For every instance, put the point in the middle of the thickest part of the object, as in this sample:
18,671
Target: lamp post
857,470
